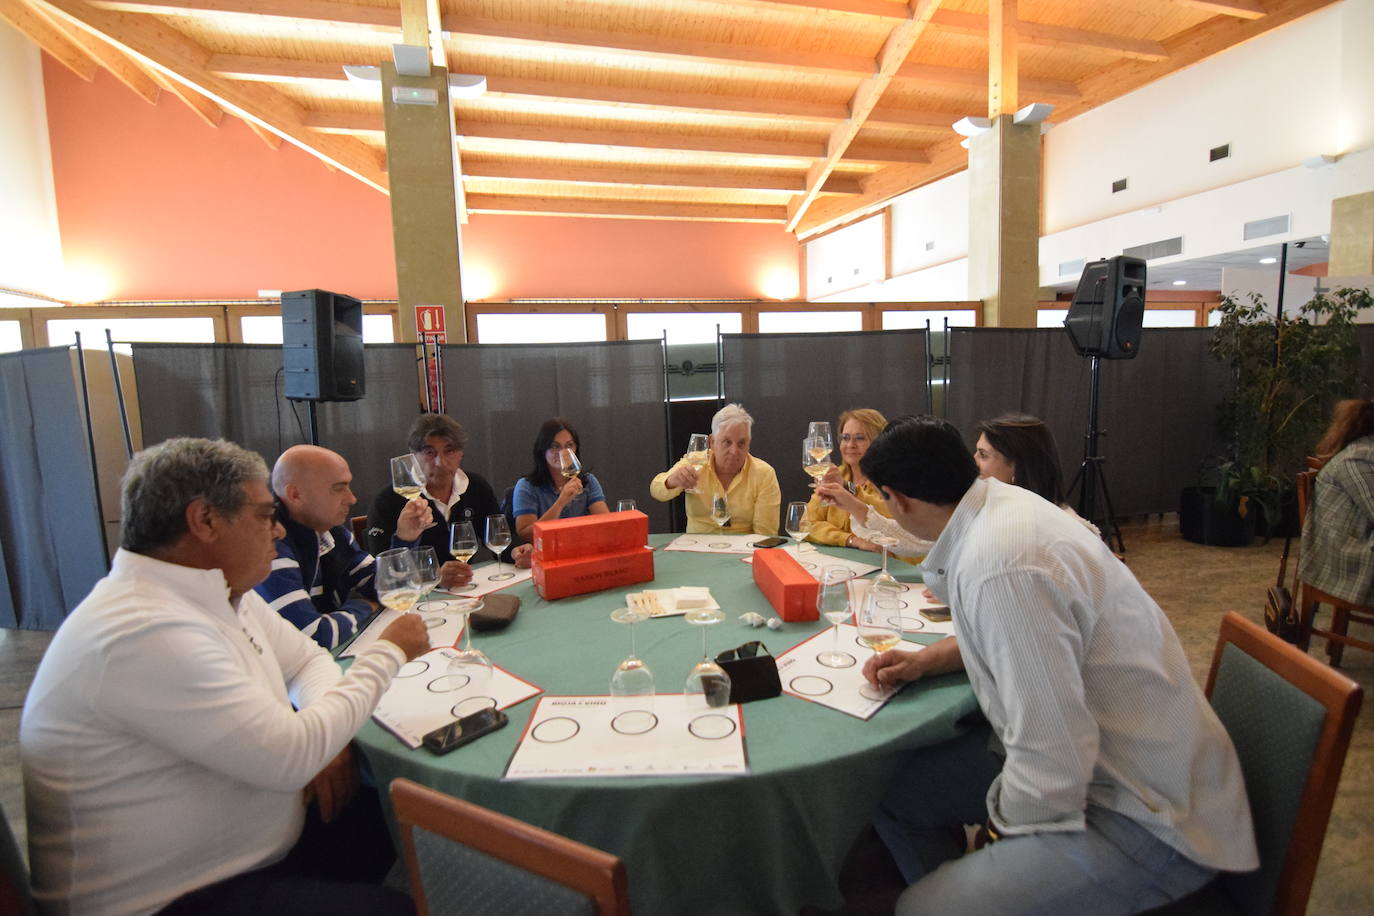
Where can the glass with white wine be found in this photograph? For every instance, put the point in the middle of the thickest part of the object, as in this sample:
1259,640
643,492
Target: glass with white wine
797,523
568,465
462,544
820,429
406,478
816,457
698,453
398,579
874,620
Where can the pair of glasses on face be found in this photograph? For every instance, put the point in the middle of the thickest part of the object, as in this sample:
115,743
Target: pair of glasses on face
846,437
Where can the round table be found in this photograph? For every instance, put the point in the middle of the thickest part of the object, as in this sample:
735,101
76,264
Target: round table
767,842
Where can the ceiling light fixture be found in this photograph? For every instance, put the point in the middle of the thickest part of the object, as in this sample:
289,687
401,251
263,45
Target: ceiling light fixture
1269,260
460,85
1034,113
971,126
1180,283
1319,161
410,60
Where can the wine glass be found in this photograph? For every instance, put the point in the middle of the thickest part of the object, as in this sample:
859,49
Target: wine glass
498,539
707,686
816,457
398,578
462,544
820,429
625,505
632,683
797,523
406,477
885,579
833,602
427,565
568,465
466,660
720,510
698,453
876,630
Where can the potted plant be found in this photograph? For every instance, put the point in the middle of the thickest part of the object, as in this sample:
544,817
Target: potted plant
1286,373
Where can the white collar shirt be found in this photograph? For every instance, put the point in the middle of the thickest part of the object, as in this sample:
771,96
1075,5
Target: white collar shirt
460,486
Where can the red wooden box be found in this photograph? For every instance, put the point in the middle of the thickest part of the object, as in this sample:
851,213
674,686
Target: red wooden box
561,578
789,588
590,535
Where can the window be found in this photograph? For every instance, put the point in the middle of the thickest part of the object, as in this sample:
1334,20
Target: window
809,322
540,328
1169,318
62,331
266,329
913,318
1051,318
682,327
10,338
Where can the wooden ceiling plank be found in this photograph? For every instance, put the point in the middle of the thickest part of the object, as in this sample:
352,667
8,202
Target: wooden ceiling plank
893,54
388,18
1243,9
271,69
40,30
1053,36
203,108
881,9
1002,75
650,177
567,206
438,53
1036,87
121,66
266,136
155,41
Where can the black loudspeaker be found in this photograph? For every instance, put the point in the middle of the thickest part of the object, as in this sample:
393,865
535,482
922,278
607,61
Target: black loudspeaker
1107,309
322,345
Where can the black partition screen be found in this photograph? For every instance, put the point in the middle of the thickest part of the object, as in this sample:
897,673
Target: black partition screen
1157,412
787,380
51,551
234,391
612,392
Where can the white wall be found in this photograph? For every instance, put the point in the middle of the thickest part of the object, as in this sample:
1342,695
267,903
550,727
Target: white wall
845,259
30,247
936,213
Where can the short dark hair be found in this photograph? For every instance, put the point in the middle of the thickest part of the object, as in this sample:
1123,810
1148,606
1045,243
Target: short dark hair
539,474
435,424
1028,444
922,457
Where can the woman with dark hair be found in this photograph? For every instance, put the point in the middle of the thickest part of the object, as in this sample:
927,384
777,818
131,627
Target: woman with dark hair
1338,535
1019,449
548,491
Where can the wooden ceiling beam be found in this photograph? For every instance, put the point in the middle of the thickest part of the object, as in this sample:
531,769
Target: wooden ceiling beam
156,42
120,65
40,30
898,45
626,209
649,177
248,68
203,107
379,17
1242,9
1002,76
1040,89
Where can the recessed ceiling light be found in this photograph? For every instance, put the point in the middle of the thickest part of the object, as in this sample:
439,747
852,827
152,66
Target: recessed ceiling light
1269,260
1180,283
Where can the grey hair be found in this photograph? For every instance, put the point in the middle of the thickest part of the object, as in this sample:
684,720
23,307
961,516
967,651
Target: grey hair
729,415
436,424
163,480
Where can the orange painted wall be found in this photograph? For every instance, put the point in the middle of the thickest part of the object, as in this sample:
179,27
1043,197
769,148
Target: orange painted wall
166,207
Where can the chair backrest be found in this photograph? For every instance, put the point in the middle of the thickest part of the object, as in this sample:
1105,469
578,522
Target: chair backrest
1306,481
14,877
359,525
1290,718
465,858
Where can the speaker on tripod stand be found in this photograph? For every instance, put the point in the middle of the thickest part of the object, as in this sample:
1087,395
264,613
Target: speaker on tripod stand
1104,322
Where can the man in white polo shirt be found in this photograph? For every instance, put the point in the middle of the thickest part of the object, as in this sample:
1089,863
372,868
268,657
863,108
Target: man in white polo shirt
1114,787
164,763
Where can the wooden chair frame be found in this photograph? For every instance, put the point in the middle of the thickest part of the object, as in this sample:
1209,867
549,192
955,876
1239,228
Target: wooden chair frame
1341,697
595,873
358,524
1310,597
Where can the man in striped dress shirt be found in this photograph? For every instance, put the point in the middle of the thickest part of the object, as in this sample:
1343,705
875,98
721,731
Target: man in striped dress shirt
322,581
1107,784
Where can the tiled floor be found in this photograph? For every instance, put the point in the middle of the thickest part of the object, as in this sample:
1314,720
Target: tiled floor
1195,585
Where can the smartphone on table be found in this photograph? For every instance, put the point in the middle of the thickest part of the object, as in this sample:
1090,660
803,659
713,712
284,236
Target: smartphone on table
464,731
769,542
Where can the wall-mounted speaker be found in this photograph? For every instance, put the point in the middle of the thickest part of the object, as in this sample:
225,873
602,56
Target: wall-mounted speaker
322,346
1107,309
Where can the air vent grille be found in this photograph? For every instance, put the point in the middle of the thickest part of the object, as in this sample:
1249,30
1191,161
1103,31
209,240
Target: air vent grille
1259,228
1161,249
1119,185
1219,152
1072,268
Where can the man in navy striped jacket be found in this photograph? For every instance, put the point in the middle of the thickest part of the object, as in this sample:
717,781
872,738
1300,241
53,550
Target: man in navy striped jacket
322,581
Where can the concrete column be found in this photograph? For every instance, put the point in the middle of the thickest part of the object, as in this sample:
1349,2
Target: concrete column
424,203
1352,236
1004,222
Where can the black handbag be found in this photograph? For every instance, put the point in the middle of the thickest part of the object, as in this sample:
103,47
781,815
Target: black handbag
1280,614
753,672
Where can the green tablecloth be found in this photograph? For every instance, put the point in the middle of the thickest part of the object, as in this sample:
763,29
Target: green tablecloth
768,842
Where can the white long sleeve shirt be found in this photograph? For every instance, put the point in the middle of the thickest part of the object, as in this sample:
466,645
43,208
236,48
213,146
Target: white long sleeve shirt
1084,681
160,749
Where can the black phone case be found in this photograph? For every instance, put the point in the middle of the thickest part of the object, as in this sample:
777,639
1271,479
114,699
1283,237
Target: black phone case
463,731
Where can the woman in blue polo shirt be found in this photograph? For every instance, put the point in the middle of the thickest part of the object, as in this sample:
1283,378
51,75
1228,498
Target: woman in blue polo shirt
544,493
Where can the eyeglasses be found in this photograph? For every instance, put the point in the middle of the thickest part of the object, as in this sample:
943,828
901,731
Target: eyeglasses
846,437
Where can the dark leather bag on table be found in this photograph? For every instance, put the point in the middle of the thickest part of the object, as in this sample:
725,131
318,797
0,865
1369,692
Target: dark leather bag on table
496,614
753,672
1280,614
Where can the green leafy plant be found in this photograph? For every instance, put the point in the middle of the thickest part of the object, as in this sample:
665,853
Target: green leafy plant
1286,375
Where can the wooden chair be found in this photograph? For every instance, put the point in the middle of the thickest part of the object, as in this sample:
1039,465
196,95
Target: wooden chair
461,857
1310,598
1290,718
359,525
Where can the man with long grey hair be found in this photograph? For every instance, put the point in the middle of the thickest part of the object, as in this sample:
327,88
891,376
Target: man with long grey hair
177,728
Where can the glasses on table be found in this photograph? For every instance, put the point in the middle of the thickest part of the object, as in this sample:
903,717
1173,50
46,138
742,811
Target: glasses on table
498,539
625,505
720,510
797,524
707,686
832,600
632,682
874,621
468,661
398,578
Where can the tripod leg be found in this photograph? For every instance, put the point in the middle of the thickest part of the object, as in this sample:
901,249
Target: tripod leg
1109,523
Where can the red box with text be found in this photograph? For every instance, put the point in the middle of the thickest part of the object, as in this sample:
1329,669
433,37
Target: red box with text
562,578
590,535
789,588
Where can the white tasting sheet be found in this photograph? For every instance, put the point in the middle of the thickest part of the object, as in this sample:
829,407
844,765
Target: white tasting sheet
715,543
910,600
484,580
591,736
445,626
803,675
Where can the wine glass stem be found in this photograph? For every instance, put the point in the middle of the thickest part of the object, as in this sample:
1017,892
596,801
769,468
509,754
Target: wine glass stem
467,632
703,644
836,640
633,653
884,560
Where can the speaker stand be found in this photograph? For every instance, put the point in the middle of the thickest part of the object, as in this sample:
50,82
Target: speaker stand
1091,478
314,425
